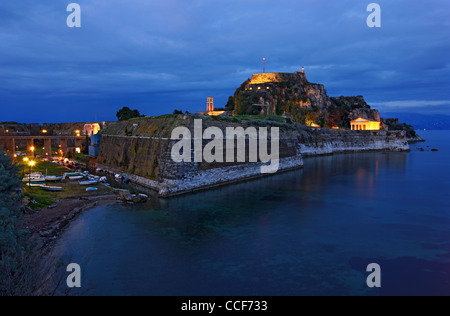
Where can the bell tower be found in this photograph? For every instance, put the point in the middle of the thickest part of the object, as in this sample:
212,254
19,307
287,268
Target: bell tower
210,104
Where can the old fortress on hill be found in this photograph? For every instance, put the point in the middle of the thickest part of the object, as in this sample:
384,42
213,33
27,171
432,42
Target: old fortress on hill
270,90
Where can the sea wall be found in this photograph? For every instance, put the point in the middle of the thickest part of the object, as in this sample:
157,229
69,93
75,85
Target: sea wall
322,141
141,150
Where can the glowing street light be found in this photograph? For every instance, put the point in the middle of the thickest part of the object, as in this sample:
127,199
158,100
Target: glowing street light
32,163
25,161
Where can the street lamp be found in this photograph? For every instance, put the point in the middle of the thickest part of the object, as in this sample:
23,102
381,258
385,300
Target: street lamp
25,161
32,149
32,163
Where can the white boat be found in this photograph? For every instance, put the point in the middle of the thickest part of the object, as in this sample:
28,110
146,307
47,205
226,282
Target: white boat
91,189
76,178
30,179
53,178
35,184
91,182
33,177
104,179
48,188
72,174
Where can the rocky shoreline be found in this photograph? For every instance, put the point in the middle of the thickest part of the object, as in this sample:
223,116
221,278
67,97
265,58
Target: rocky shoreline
47,225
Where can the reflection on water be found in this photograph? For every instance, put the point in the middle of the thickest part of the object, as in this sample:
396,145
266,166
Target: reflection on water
308,231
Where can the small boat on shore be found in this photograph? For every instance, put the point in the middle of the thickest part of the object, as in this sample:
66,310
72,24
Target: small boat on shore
34,177
49,188
90,182
91,189
74,178
35,184
53,179
72,174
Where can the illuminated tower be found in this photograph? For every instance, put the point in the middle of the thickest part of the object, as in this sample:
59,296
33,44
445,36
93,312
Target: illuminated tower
303,70
210,104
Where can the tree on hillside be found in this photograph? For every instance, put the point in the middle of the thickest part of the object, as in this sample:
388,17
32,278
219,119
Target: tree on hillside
17,269
126,113
230,104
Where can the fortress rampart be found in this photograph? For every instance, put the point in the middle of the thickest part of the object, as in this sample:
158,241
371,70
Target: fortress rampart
142,150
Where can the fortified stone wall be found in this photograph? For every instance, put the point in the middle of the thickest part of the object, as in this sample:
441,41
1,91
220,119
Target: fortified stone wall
322,141
146,158
142,150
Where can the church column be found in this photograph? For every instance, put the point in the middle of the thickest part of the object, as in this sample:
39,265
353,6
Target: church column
47,147
79,143
64,146
11,147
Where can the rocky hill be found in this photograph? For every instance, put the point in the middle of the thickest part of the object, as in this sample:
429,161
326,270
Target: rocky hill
306,103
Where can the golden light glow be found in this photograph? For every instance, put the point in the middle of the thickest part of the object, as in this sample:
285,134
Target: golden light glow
361,124
32,163
44,131
32,148
266,78
25,159
77,132
78,150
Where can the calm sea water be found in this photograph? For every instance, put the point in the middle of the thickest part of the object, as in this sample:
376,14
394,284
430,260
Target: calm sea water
306,232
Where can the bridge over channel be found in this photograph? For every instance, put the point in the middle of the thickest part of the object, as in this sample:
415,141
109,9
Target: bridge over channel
9,143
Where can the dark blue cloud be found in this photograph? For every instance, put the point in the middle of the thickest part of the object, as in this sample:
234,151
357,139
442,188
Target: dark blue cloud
160,55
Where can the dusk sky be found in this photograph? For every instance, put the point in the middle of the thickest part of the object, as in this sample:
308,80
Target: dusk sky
158,56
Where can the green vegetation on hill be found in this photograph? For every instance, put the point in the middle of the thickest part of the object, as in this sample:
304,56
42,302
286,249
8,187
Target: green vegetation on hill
148,126
126,113
256,120
17,264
